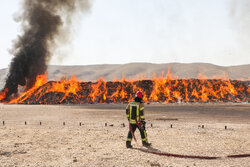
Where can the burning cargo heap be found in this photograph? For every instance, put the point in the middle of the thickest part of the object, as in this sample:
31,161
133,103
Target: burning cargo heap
160,89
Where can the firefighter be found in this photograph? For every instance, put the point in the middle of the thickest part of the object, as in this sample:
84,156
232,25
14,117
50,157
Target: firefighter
136,118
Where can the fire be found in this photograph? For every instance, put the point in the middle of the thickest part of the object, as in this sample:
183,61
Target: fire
119,92
3,94
40,80
99,91
159,89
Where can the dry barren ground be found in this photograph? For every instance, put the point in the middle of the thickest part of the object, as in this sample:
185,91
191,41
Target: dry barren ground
94,144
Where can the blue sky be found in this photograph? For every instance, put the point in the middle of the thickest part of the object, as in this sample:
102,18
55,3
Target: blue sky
156,31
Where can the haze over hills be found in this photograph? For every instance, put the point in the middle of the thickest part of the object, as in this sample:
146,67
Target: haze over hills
131,70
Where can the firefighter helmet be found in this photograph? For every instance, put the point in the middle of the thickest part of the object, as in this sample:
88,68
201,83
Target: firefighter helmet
139,94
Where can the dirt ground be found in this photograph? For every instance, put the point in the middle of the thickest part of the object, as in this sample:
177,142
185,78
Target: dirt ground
60,140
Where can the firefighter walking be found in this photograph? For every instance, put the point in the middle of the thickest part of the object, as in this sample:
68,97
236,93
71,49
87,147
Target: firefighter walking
136,118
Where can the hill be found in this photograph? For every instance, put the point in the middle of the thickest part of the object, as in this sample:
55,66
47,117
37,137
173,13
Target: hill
131,70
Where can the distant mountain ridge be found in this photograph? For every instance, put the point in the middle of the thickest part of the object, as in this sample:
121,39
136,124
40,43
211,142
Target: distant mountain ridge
111,71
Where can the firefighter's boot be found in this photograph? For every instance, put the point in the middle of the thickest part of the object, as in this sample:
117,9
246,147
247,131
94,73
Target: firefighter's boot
146,144
128,144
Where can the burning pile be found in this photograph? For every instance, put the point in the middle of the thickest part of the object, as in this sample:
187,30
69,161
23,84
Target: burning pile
161,89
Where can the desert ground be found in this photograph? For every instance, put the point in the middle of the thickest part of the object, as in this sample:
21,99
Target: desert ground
60,140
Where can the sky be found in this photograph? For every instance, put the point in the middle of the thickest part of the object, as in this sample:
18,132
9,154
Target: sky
154,31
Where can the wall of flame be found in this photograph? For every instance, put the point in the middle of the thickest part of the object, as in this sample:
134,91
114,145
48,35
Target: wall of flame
158,89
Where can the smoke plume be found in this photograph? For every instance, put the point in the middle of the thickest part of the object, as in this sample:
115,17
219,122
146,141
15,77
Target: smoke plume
43,21
240,19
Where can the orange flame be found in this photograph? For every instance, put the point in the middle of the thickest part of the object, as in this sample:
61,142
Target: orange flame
248,90
3,94
40,80
159,89
99,91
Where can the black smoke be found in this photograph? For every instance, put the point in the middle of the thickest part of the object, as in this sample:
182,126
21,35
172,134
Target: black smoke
42,22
